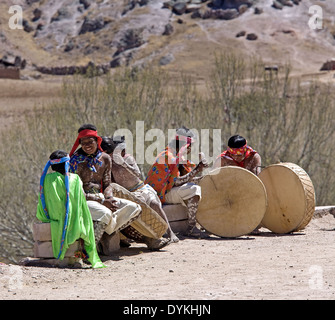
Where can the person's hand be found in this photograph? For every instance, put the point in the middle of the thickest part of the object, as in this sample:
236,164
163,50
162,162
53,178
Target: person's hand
111,204
203,163
201,166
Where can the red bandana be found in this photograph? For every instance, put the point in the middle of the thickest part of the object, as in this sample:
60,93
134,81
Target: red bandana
238,151
83,134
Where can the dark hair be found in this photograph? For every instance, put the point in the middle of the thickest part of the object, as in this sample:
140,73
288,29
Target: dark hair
87,126
107,144
182,131
59,167
236,141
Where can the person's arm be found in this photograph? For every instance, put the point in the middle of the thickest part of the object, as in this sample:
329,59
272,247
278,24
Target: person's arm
255,164
107,179
190,176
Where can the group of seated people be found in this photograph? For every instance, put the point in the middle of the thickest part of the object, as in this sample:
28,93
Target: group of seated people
77,198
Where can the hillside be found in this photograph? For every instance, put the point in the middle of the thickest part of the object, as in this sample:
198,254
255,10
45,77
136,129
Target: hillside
138,33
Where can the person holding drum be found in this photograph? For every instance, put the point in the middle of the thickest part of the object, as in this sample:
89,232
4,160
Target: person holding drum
127,174
239,154
109,214
171,176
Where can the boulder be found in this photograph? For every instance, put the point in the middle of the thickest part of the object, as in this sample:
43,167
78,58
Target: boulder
179,8
241,34
235,4
287,3
92,25
252,36
166,59
258,10
277,5
227,14
132,38
37,14
168,30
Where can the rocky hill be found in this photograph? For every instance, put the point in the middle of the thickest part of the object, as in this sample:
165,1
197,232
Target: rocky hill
60,36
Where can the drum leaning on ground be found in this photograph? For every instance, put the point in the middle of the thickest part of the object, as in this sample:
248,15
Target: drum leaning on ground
149,223
291,197
233,202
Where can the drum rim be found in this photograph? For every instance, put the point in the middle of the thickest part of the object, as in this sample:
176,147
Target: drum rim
214,172
302,223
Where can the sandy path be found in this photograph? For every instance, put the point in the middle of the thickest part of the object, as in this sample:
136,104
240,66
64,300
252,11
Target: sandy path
298,266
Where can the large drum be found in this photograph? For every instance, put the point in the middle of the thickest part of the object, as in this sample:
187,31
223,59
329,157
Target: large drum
149,223
233,202
291,197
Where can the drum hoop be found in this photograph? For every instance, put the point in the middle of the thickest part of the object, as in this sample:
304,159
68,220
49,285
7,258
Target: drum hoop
309,206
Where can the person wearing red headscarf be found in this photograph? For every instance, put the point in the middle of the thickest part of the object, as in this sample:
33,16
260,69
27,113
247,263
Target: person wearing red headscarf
239,154
93,166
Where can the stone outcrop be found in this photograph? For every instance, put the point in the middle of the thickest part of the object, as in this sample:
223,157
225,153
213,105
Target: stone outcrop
215,9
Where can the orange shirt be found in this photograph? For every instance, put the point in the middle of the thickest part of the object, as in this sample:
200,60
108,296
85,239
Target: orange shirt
164,172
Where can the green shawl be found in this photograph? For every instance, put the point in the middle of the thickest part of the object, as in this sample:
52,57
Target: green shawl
80,225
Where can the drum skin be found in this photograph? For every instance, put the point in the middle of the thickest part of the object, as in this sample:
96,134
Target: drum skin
233,202
291,198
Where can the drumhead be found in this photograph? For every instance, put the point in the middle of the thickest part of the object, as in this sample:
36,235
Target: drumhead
291,197
233,202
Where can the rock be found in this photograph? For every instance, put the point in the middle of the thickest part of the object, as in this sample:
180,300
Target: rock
227,14
203,13
132,38
237,3
85,3
29,2
179,8
241,34
26,26
288,3
92,25
242,8
166,59
277,5
192,7
258,10
230,4
117,62
37,14
69,46
62,13
252,36
168,4
217,4
168,30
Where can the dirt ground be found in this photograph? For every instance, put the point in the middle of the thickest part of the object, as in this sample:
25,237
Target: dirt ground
267,266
